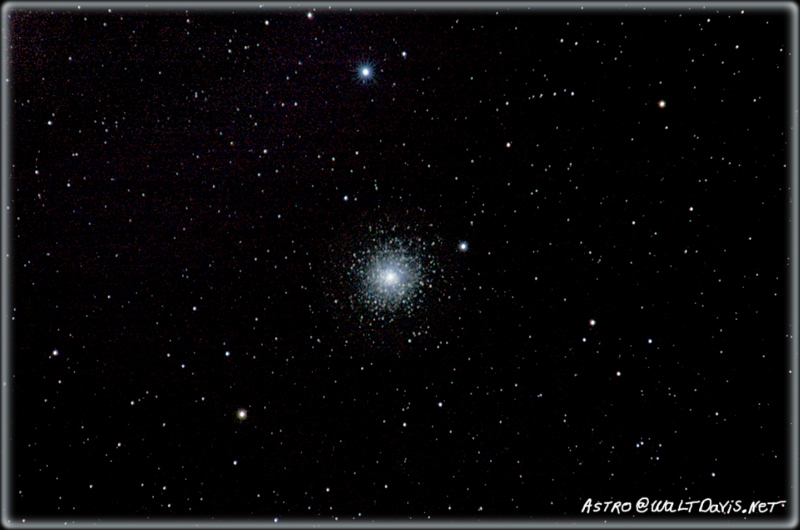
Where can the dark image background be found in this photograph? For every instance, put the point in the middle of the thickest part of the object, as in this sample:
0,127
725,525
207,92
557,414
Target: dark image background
178,184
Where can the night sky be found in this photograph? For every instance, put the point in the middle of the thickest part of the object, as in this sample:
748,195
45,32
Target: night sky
352,263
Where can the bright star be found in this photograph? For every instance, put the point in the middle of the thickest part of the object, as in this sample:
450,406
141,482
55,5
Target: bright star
365,72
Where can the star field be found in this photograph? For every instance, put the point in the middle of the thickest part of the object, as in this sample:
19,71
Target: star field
353,265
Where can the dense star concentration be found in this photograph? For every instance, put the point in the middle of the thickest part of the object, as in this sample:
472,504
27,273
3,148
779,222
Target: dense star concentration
359,264
391,277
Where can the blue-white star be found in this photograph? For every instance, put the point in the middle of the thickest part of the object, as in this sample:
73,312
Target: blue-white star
365,72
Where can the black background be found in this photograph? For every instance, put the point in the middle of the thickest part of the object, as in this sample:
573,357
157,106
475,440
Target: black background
178,173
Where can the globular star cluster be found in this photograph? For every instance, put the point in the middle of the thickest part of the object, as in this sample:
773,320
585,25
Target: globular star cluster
387,278
391,276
